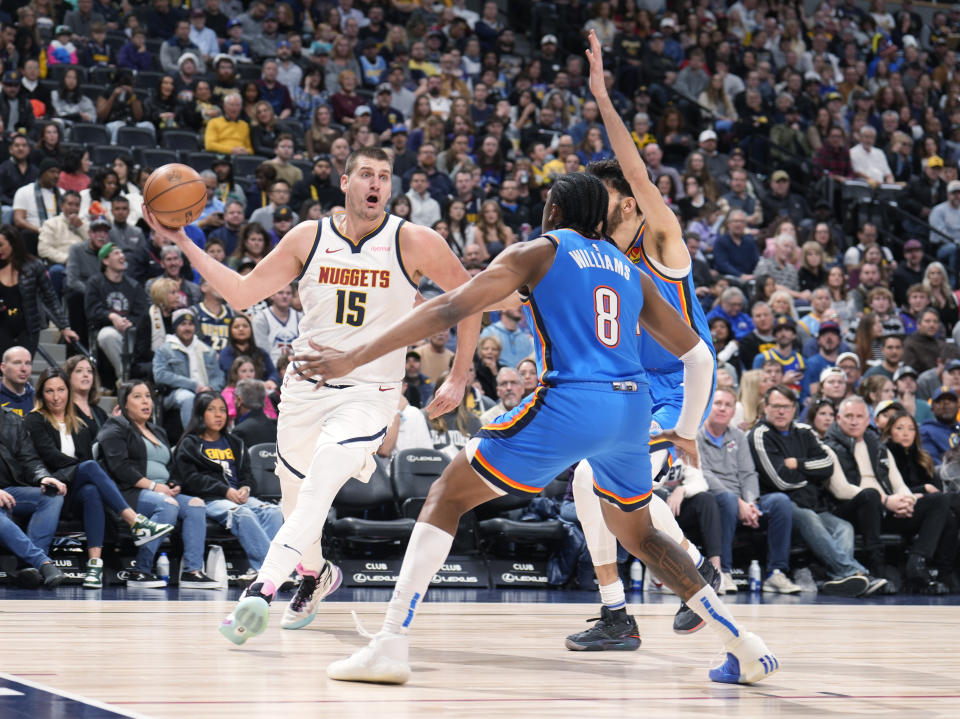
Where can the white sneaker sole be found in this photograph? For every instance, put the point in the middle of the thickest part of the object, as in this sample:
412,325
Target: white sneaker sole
140,541
382,671
248,619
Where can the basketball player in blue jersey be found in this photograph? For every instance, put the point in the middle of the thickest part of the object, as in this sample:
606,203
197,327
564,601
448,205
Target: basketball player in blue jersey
584,299
639,221
358,272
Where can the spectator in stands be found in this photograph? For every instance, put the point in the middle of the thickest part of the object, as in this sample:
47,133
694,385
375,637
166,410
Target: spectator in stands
114,304
212,464
424,210
516,343
450,432
781,201
61,50
419,389
213,317
868,161
909,273
74,168
320,186
82,20
23,479
283,153
27,296
16,171
229,134
274,92
203,37
38,201
138,458
735,253
163,108
118,106
125,235
64,443
134,55
789,458
927,190
241,342
243,368
48,144
264,130
867,464
784,353
69,103
58,234
277,327
252,424
922,348
279,197
730,308
892,351
435,357
171,260
179,45
945,220
184,366
942,431
96,52
165,299
509,392
16,392
253,245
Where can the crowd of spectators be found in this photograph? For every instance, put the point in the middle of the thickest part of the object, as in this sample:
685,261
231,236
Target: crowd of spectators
756,119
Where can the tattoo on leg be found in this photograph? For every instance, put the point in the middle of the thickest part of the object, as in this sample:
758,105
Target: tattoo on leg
669,562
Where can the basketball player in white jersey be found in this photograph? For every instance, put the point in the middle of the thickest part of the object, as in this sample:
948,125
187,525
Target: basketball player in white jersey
358,273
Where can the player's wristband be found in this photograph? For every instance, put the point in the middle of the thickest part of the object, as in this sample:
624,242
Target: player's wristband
698,372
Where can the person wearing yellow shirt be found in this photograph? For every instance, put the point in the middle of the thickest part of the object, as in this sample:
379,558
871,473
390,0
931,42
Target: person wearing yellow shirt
229,134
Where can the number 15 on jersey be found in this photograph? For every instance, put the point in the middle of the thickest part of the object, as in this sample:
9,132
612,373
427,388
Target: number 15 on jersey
351,307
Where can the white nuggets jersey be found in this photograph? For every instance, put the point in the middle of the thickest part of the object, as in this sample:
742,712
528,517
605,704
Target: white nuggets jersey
353,291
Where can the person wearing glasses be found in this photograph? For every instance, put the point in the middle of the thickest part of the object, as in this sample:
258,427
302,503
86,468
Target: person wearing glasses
790,458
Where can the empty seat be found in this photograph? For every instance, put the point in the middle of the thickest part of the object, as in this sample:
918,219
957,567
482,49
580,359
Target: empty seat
263,460
104,155
367,512
415,470
153,157
101,76
56,72
201,161
92,91
148,79
136,137
181,140
247,71
86,133
246,165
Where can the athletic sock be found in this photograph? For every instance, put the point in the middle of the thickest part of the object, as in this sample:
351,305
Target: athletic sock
612,596
693,553
715,613
426,552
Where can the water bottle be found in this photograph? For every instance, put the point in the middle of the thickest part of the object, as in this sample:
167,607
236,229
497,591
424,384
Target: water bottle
163,566
636,576
754,574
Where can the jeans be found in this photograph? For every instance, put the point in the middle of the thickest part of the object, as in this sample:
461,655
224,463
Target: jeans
830,539
254,523
44,512
947,254
13,538
777,519
114,127
57,273
194,528
92,489
112,342
182,400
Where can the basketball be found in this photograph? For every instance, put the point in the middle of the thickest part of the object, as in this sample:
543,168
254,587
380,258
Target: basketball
176,194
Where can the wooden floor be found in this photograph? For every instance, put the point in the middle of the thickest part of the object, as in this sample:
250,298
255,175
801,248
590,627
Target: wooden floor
166,659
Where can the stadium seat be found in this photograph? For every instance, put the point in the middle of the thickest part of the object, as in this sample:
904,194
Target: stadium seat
415,470
248,72
263,460
104,155
305,166
201,161
136,137
147,80
92,91
85,133
101,76
56,72
152,157
246,165
367,512
181,140
507,524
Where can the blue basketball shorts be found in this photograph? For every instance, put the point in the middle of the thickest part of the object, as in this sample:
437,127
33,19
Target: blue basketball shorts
554,428
666,392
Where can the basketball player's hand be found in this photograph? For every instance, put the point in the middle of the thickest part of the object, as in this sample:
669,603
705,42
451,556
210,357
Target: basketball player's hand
688,447
595,56
323,363
177,237
448,397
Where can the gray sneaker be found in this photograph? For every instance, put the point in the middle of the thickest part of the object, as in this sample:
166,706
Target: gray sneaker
779,583
803,578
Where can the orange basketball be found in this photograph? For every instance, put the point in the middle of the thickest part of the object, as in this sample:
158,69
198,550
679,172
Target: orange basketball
176,194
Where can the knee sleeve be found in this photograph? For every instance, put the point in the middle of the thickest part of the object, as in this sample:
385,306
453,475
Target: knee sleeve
601,543
662,518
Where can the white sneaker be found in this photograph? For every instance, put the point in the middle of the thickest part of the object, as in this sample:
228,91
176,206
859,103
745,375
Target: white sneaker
779,583
303,606
748,661
729,586
383,661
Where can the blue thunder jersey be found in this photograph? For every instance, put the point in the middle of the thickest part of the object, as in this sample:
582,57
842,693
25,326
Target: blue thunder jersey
680,293
590,302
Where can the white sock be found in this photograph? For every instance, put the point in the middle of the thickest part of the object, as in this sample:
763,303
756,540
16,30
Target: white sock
663,519
426,552
612,595
715,613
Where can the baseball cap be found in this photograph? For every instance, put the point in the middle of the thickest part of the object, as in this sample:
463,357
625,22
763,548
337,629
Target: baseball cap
270,16
953,186
827,371
657,36
220,159
282,43
905,371
246,263
885,404
833,96
913,244
283,213
784,322
181,315
100,221
384,87
668,22
187,56
848,356
47,163
11,77
365,110
399,129
412,353
224,56
707,135
547,39
232,22
63,30
779,175
828,326
951,365
943,391
196,12
105,251
934,161
910,41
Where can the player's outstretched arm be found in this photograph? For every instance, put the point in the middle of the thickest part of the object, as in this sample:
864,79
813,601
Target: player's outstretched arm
274,272
520,265
429,253
667,327
660,218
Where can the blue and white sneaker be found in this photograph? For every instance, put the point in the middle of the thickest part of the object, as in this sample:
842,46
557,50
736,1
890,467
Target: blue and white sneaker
249,618
748,661
314,588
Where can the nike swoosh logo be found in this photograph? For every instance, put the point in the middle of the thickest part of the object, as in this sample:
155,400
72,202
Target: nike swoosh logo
385,389
330,252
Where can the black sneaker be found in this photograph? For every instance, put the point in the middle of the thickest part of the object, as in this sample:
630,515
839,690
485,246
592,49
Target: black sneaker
137,579
197,580
687,621
852,586
28,578
919,577
613,631
51,575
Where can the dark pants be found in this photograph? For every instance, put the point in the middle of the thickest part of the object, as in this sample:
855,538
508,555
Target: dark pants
700,517
865,512
91,488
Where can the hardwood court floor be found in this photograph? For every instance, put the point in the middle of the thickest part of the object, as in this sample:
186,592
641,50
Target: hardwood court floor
166,659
